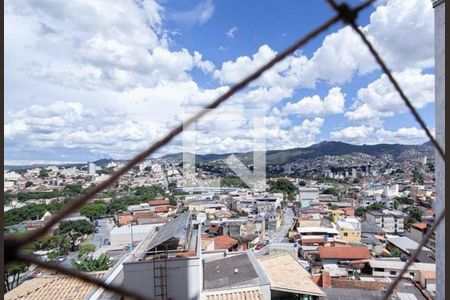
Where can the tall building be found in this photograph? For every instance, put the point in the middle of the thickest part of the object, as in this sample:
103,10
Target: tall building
92,168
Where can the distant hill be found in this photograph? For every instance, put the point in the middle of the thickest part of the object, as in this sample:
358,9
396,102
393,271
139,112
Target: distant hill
273,157
320,149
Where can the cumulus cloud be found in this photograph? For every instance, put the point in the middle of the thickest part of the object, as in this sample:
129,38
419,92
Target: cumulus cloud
99,44
402,32
333,103
369,135
379,99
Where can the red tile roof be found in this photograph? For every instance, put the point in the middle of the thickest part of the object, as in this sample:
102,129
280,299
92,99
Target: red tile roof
144,214
224,242
420,225
161,209
358,252
158,202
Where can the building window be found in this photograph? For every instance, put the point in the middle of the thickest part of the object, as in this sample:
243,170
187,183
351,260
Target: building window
393,272
378,269
345,234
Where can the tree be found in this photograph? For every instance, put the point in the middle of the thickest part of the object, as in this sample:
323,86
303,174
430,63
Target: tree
90,264
93,210
282,185
28,184
417,176
12,273
331,191
43,173
73,188
80,226
86,249
395,253
302,183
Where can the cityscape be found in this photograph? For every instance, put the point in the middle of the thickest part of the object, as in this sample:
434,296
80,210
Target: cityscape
224,150
335,221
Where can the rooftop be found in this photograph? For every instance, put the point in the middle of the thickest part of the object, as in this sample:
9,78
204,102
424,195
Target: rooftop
405,244
349,294
231,271
356,252
288,275
52,287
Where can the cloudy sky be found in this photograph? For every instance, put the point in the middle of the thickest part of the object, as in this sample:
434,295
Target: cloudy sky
91,79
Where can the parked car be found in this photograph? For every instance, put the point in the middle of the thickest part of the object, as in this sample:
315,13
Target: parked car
259,246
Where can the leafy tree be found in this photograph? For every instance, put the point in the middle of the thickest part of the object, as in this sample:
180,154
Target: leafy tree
282,185
79,226
356,180
73,188
417,176
302,183
93,210
12,273
85,249
233,182
360,211
28,184
90,264
331,191
29,212
172,201
43,173
414,214
333,206
395,253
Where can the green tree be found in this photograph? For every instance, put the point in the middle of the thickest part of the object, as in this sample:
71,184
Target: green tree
301,183
79,226
282,185
395,253
90,264
12,273
85,249
331,191
43,173
417,176
93,210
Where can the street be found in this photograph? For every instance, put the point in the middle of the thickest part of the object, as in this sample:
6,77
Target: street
288,220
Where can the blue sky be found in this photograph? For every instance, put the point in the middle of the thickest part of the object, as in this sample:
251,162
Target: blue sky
92,79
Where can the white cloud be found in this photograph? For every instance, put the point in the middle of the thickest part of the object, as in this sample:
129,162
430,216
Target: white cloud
333,103
231,32
402,32
97,44
379,99
370,135
200,14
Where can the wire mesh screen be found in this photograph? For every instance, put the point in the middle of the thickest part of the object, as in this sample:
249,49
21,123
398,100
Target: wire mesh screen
344,13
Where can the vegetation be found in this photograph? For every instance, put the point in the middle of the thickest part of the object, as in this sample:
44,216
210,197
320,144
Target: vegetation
29,212
43,173
85,249
301,183
142,194
282,185
417,176
414,214
93,210
360,211
12,273
233,182
80,226
395,253
331,191
90,264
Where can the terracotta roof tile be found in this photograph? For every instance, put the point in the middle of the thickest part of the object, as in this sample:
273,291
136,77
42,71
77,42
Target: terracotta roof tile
224,242
158,202
52,287
358,252
420,225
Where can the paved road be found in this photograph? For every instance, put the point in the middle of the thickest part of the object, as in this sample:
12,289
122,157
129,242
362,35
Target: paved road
288,220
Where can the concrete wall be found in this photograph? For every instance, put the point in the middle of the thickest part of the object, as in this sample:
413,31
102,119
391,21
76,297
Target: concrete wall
439,40
184,280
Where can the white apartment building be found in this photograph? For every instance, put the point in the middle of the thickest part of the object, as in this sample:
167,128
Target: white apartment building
390,221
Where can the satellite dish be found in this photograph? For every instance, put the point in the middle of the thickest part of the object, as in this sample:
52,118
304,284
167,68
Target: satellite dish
201,217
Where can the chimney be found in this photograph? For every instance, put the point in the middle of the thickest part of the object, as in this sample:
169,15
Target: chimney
326,279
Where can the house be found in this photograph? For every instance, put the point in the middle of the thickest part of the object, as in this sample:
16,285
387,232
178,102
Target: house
407,246
374,245
333,255
224,242
349,232
392,267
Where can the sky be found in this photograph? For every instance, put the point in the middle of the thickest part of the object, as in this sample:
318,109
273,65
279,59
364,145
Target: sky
95,79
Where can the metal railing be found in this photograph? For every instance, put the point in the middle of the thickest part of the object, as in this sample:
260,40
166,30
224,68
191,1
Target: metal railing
344,13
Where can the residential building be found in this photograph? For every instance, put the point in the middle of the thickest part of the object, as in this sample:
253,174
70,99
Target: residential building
389,221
